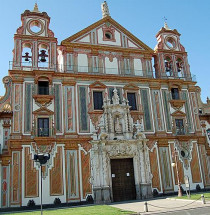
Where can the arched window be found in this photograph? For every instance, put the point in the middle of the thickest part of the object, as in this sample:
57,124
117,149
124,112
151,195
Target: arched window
168,66
43,56
179,66
26,55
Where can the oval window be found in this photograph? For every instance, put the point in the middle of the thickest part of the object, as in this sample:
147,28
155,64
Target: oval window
108,35
170,42
35,26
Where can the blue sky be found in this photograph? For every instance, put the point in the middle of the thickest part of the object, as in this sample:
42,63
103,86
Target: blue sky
143,18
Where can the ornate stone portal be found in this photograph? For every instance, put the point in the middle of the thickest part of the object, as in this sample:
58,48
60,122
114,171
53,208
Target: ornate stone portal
118,137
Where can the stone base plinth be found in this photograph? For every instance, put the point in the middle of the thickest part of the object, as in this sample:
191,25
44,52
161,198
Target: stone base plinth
102,195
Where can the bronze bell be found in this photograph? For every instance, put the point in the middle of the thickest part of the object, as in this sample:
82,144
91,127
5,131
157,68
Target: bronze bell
43,55
26,56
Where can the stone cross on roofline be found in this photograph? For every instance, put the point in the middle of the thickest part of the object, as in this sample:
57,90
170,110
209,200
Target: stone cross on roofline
165,24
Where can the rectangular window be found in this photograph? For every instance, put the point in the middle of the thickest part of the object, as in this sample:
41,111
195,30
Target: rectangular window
98,100
132,100
175,93
179,126
127,66
70,62
43,88
95,63
43,127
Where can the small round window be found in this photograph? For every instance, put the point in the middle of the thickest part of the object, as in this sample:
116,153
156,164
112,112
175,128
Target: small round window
170,42
184,153
108,35
35,27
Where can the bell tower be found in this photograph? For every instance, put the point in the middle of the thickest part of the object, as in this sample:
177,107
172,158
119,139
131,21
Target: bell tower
171,57
35,47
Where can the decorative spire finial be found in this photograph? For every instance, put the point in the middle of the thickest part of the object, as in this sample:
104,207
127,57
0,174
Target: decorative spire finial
105,9
165,24
36,9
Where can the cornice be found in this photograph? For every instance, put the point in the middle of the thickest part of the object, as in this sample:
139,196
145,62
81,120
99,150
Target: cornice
34,38
126,51
104,77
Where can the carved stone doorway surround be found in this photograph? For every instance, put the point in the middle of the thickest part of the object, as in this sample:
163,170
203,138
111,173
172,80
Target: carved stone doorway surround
103,150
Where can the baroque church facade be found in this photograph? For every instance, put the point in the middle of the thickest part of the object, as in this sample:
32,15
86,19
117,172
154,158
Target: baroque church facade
111,124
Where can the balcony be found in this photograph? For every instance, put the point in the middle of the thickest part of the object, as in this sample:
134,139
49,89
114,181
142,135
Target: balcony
75,69
103,70
180,131
43,132
28,66
174,75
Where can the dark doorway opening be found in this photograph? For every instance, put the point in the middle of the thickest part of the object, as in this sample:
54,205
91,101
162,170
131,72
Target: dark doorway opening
123,182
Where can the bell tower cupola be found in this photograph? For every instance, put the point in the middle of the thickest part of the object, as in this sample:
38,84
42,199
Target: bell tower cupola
171,57
35,47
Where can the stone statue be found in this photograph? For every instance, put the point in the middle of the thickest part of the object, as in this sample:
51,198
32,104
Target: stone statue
115,97
105,9
117,126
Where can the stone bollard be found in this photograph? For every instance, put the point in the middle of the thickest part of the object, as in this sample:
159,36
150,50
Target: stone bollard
203,199
145,207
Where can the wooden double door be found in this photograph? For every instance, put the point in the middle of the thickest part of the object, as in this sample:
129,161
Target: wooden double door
123,182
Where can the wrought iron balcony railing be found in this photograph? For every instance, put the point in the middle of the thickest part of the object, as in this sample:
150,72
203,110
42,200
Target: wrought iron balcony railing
75,69
181,131
103,70
174,75
43,132
28,66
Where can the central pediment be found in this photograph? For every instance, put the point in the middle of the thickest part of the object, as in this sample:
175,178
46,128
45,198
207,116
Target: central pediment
106,32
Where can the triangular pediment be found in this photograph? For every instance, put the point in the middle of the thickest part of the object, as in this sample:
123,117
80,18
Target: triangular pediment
96,34
98,85
178,113
43,111
131,87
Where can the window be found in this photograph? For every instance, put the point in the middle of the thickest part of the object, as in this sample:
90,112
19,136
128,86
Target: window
132,100
95,63
179,126
127,66
208,134
98,100
175,93
43,88
171,43
43,127
108,35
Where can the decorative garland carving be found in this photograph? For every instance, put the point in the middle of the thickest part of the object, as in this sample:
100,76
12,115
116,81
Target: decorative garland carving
184,152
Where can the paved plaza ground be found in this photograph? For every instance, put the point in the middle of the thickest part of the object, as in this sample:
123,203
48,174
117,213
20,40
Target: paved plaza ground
166,206
163,205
